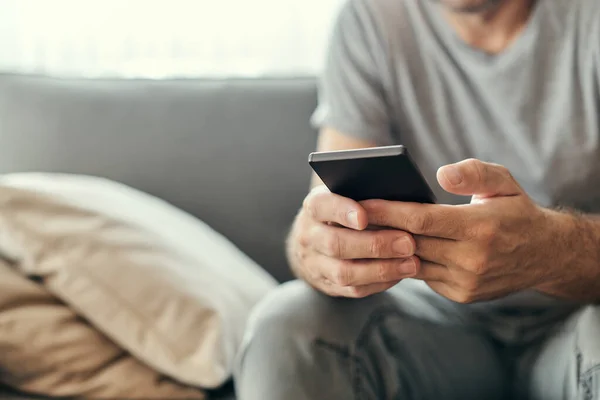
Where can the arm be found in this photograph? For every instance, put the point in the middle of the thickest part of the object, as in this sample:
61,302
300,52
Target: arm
578,275
578,271
328,245
500,243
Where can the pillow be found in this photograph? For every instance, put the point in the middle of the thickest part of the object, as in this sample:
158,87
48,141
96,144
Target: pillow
45,348
155,280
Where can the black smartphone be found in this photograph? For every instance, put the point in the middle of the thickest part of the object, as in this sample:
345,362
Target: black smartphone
386,173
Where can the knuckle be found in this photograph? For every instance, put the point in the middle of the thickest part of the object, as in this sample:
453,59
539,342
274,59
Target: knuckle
383,272
477,168
301,256
311,272
376,213
307,268
341,215
475,165
342,275
377,246
308,206
505,172
488,230
358,292
332,245
320,196
420,223
304,236
313,201
478,265
464,297
470,285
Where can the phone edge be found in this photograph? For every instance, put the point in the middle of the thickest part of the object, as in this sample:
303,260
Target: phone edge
354,154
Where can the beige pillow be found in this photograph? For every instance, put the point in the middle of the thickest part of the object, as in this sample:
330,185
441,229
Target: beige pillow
45,348
155,280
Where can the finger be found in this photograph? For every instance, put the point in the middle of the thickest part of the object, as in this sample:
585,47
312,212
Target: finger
432,272
453,277
359,292
443,289
474,177
349,244
454,293
345,273
325,206
438,220
494,290
446,252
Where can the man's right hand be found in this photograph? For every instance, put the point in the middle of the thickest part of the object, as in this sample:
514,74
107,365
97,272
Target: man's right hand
332,250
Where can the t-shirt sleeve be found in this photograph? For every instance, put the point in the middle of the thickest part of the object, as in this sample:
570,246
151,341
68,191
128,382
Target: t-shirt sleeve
588,24
351,95
596,37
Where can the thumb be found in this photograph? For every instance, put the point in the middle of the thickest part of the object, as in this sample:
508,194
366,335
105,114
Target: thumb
477,178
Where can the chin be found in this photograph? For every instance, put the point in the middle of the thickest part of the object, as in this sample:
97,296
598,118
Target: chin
469,6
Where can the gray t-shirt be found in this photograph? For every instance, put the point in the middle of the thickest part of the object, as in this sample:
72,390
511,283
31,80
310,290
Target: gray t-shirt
397,73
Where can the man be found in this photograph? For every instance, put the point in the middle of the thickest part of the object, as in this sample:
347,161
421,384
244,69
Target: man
500,300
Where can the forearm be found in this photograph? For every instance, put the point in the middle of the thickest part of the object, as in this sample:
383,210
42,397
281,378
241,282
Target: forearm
577,270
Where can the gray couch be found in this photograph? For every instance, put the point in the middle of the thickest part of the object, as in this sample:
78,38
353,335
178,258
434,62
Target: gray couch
232,152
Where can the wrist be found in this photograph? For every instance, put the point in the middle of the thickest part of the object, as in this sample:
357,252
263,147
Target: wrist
561,245
574,262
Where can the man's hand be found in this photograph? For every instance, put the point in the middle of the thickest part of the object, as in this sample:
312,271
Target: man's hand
331,249
499,244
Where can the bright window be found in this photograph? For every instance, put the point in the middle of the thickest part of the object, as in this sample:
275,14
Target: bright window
159,38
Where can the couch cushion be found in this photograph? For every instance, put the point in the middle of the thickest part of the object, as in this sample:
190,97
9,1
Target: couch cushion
45,347
158,282
232,152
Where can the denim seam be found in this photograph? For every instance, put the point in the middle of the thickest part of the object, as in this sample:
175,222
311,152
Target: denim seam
354,368
378,315
356,364
595,368
579,362
586,382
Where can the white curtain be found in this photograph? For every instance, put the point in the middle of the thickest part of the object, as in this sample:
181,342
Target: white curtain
165,38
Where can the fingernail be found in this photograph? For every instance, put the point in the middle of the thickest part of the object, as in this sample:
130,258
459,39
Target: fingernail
403,247
352,219
452,175
408,268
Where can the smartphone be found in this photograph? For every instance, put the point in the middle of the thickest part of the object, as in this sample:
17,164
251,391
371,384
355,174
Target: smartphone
386,173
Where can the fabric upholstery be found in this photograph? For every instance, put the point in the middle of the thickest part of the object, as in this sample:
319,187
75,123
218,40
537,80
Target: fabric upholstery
157,281
232,152
47,348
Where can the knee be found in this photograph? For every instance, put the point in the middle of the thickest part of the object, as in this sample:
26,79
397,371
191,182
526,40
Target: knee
295,311
286,312
299,335
281,335
295,316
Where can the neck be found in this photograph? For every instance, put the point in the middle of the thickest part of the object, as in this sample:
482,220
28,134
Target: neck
492,30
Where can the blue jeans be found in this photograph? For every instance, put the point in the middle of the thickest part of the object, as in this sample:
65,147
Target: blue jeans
409,343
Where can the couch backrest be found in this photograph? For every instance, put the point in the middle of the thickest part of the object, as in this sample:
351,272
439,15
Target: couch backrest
232,152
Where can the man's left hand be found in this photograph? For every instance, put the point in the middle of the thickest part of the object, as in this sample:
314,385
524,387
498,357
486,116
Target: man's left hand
500,243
